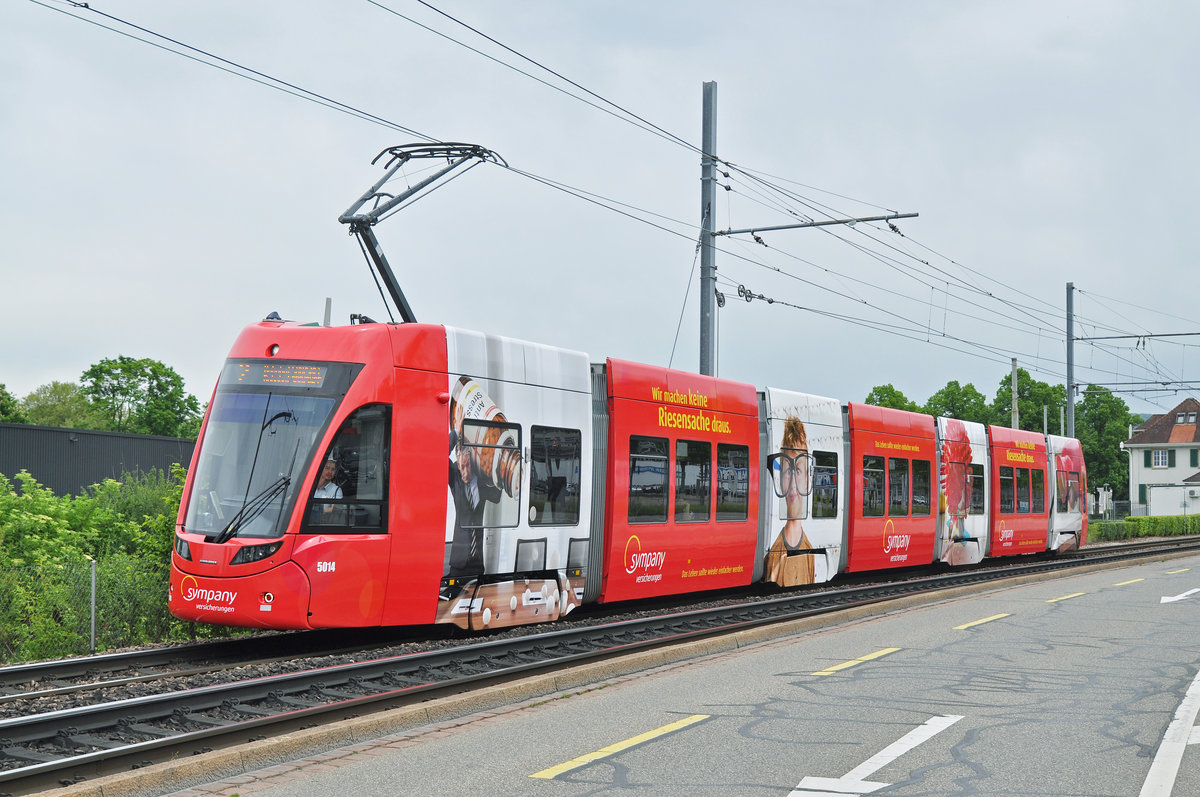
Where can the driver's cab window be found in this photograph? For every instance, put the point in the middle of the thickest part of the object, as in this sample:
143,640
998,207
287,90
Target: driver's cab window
350,493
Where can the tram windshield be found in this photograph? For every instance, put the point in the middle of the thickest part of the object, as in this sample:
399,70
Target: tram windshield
263,428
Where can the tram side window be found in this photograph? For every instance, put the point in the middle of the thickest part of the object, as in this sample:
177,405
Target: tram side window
647,479
873,481
825,484
921,486
350,495
693,480
554,473
1007,489
1039,491
977,491
733,482
1022,491
897,487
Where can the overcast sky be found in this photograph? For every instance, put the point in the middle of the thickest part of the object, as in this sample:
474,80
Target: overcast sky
154,205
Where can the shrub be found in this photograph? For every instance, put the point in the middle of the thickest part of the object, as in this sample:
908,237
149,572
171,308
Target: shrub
1136,527
47,545
44,612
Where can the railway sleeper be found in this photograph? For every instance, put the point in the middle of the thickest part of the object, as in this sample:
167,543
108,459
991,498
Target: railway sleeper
148,730
94,742
25,754
200,719
253,711
294,701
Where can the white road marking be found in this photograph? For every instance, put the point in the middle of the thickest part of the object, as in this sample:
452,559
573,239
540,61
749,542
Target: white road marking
1180,596
1161,778
852,782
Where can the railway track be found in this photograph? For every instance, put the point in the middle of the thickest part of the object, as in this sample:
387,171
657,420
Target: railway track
52,748
24,687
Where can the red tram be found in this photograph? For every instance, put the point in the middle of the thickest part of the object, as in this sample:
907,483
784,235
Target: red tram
317,497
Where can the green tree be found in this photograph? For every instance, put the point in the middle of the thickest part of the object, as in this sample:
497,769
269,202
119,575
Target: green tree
1032,395
959,401
10,408
141,396
888,396
1102,423
62,404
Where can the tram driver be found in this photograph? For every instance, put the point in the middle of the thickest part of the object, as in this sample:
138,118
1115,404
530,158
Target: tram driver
326,488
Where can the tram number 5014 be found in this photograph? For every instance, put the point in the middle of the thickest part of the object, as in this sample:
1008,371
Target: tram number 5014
326,567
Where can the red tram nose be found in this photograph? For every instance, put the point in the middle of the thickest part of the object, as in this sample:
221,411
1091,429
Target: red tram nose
243,601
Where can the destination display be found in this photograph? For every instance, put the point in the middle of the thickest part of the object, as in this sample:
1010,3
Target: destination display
277,374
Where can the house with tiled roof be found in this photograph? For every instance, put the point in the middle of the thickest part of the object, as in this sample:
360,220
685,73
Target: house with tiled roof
1164,463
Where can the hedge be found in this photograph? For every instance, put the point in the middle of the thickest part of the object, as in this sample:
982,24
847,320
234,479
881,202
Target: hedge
1135,527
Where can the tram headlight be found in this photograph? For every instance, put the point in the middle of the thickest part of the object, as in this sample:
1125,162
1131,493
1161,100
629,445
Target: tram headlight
181,548
254,553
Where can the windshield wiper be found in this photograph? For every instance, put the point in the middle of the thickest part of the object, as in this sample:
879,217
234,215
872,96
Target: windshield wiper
253,508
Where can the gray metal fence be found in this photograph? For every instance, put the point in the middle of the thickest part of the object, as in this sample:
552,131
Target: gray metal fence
62,610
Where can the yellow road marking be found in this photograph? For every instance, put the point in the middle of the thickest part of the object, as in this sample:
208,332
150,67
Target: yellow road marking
1066,597
1130,581
613,749
847,664
1173,572
981,622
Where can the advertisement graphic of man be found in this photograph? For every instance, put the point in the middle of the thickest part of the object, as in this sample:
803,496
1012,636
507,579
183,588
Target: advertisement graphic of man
470,488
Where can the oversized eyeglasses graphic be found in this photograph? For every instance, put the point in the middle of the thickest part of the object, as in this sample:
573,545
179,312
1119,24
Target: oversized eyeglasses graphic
791,473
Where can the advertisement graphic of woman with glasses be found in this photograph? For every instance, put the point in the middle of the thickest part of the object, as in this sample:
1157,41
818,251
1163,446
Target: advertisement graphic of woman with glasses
790,559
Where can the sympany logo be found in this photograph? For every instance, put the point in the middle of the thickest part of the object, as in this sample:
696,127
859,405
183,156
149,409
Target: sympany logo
893,542
636,559
192,591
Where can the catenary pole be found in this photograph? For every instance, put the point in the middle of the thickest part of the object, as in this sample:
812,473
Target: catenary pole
1016,416
1070,360
708,252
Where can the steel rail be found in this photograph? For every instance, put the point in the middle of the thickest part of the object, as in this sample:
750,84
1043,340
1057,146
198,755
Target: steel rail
80,673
